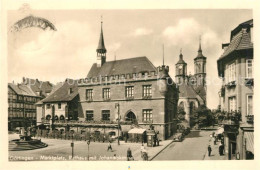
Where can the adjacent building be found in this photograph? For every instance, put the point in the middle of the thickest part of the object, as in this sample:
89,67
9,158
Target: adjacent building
192,88
235,67
21,108
131,91
21,101
60,106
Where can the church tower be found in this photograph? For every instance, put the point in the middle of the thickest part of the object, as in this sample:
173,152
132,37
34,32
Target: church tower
180,70
200,68
101,49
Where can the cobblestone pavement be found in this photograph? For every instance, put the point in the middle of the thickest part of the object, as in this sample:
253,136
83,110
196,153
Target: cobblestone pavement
193,147
61,150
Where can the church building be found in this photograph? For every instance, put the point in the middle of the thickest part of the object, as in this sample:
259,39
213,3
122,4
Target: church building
192,88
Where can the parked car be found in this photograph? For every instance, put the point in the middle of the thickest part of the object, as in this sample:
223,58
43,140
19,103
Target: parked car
178,137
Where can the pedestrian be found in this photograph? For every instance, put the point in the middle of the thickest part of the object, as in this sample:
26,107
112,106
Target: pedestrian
215,140
104,138
109,147
142,150
158,142
209,150
129,154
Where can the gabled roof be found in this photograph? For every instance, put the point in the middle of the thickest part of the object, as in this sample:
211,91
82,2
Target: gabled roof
125,66
62,93
240,41
22,89
38,86
187,91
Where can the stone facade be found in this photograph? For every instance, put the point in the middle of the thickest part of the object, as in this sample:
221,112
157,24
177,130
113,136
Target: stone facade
235,67
162,102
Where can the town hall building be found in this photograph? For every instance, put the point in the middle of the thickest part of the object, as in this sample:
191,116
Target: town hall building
132,91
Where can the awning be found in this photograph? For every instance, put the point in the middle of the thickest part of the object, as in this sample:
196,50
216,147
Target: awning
249,139
125,128
220,130
138,131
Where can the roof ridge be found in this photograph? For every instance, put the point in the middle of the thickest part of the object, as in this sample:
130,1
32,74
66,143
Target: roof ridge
126,59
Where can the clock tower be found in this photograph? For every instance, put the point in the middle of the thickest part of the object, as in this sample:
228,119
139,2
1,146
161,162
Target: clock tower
181,70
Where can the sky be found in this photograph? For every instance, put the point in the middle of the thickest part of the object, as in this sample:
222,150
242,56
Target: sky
70,51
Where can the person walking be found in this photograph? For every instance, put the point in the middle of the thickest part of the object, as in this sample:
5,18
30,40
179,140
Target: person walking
209,150
215,140
109,147
129,154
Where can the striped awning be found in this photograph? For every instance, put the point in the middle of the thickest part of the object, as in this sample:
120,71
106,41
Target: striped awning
249,138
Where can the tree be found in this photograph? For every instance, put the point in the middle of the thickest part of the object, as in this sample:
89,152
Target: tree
180,113
202,116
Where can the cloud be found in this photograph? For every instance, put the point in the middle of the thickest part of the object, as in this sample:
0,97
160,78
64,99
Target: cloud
142,31
69,51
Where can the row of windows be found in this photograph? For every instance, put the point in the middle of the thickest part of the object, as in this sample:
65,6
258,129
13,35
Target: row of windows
231,70
21,114
232,104
49,106
15,97
21,105
105,115
129,92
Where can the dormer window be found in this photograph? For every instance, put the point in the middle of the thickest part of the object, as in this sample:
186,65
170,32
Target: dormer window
70,90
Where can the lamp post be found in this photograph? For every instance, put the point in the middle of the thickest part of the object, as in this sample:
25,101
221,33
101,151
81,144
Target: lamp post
88,148
72,146
118,118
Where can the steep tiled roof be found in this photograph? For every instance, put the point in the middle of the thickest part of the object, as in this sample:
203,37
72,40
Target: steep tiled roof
187,91
22,89
62,93
125,66
38,86
240,41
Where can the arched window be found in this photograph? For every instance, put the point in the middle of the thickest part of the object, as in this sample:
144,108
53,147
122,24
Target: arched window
56,117
62,117
48,117
130,117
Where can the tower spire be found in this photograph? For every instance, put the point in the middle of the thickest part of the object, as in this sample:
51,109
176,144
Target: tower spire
200,44
101,49
163,53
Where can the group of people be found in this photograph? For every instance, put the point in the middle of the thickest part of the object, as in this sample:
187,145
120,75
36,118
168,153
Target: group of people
215,140
129,155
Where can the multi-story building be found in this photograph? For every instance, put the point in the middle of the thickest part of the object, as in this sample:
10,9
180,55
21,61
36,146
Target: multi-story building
21,106
132,91
59,106
193,92
22,98
235,67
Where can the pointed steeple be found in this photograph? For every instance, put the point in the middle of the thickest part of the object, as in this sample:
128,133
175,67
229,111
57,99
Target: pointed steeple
101,49
200,55
181,61
101,45
200,45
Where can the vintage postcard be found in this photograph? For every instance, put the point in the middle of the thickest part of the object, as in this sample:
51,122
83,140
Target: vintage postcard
89,82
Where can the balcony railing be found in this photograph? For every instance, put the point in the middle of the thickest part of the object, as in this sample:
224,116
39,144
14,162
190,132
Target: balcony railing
249,82
230,118
231,84
250,119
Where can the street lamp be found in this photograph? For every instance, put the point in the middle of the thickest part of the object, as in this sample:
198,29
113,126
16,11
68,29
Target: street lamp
117,106
72,146
88,148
